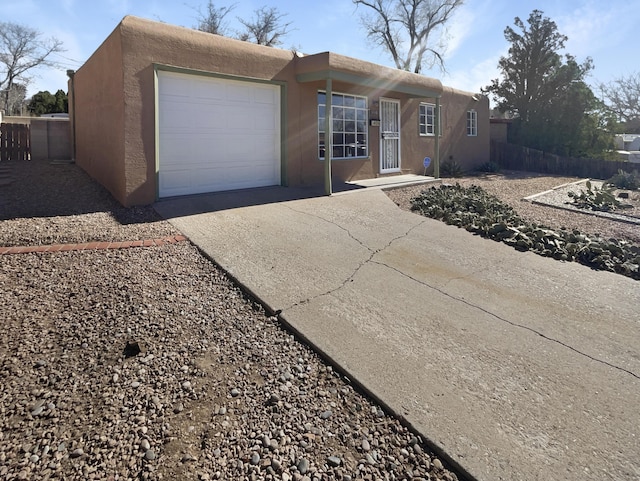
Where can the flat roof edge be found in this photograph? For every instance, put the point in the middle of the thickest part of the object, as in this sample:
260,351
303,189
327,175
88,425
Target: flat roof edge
382,83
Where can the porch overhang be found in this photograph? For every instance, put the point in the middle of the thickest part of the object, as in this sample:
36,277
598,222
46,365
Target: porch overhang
330,66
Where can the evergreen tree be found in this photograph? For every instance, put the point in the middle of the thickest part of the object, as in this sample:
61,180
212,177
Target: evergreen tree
62,102
44,102
545,92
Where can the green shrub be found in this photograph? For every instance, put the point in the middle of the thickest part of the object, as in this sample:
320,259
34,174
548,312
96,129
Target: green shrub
450,168
597,198
475,210
489,167
625,180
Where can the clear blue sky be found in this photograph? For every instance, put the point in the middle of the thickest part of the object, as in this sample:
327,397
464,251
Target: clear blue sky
606,31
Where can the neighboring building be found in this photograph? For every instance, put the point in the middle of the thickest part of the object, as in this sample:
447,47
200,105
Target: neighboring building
161,111
628,147
627,142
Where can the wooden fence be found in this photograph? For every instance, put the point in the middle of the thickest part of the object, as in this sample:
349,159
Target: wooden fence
516,157
15,142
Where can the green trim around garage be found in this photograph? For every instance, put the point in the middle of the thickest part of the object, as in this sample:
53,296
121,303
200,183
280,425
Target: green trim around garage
203,73
284,121
156,131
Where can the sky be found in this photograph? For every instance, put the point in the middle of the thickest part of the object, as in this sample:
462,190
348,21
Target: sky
604,31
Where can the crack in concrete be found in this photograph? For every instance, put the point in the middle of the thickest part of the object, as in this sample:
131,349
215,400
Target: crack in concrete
372,252
507,321
332,223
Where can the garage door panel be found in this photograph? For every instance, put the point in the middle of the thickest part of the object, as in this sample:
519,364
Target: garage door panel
182,120
180,117
235,176
213,181
266,96
216,134
175,183
178,146
262,144
264,121
172,88
239,93
206,90
238,119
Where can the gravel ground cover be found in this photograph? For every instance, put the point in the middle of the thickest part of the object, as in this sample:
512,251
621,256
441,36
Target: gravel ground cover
149,363
559,198
55,204
218,391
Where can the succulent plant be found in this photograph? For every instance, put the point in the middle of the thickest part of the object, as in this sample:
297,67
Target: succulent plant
597,198
481,213
451,168
625,180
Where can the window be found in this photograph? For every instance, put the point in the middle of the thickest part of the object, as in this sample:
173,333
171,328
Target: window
350,126
427,119
472,123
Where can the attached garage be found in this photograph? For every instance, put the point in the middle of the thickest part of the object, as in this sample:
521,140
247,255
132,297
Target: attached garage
216,134
160,111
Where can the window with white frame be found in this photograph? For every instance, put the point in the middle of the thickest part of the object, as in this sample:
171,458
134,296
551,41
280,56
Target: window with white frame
349,126
427,119
472,123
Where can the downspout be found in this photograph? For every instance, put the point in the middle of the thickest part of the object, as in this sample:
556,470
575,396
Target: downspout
71,74
436,153
328,138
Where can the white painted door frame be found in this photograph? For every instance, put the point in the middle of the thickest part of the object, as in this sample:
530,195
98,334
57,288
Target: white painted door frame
389,135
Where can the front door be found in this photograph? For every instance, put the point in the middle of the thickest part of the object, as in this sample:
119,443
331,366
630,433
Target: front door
389,135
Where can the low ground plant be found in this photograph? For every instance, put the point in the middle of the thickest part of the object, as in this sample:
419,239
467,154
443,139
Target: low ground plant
451,168
625,180
481,213
489,168
597,198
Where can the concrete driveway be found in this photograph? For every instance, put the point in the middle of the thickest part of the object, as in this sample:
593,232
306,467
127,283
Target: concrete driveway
516,366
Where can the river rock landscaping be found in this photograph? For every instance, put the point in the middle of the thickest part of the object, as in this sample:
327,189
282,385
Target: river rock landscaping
149,363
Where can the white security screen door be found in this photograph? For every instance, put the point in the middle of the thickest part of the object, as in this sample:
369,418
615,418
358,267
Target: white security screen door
389,135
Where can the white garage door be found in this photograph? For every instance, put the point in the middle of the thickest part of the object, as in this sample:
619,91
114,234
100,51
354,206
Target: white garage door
216,134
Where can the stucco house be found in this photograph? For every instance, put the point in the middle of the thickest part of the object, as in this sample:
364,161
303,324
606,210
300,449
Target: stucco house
628,147
161,111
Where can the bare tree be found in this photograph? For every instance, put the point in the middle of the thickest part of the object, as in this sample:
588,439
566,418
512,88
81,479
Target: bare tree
622,96
266,28
407,28
212,19
21,50
15,100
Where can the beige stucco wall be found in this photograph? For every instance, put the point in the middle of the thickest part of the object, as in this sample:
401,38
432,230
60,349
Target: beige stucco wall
469,152
115,106
98,117
146,43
